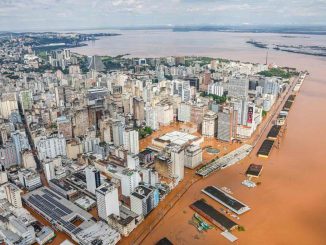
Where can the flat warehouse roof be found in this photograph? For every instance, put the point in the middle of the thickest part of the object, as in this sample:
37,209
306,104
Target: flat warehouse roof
57,209
213,215
273,133
225,199
254,170
265,148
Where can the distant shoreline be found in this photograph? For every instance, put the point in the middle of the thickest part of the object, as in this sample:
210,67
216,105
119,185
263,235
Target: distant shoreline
273,30
307,50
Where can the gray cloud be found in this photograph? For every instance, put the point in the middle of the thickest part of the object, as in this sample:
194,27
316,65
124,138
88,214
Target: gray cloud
63,14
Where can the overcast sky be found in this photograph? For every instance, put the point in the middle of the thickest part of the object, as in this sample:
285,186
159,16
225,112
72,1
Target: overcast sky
73,14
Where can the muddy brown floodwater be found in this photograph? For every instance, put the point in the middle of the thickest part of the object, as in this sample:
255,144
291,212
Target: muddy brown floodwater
290,204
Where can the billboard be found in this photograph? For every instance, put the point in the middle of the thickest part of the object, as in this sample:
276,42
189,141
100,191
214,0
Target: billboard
250,114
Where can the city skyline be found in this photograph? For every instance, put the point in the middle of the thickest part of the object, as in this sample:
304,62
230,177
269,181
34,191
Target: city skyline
68,15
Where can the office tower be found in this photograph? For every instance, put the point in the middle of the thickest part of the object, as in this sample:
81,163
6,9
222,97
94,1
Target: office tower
20,141
151,118
117,132
238,87
271,86
184,112
107,200
131,140
215,88
138,109
226,124
96,64
209,127
182,89
93,178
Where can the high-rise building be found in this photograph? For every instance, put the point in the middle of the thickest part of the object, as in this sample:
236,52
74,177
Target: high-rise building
129,181
26,99
193,156
138,106
132,161
177,155
64,127
143,200
51,147
184,112
197,113
164,111
117,132
150,176
151,118
96,64
13,194
209,127
8,155
8,104
182,88
93,178
131,140
107,200
238,87
20,140
226,124
215,88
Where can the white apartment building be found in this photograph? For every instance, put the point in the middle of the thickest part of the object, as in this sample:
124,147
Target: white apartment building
131,140
215,88
164,111
129,181
13,194
93,178
107,200
151,118
51,147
